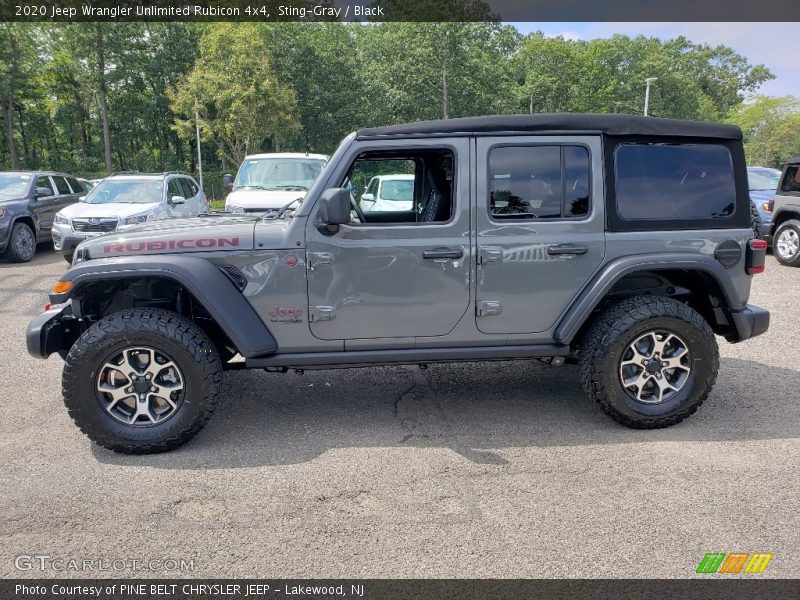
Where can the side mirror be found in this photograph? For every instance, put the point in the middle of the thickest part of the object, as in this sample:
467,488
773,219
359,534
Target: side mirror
177,200
43,192
227,180
368,197
334,209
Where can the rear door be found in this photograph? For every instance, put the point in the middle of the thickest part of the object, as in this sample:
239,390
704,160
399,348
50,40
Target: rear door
541,228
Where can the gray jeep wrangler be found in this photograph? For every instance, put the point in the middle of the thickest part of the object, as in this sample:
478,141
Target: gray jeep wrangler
785,227
623,244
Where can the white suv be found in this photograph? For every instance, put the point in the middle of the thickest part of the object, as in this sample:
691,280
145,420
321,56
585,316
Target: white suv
267,182
120,201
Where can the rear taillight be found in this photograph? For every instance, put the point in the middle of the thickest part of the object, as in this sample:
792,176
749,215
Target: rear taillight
768,205
756,257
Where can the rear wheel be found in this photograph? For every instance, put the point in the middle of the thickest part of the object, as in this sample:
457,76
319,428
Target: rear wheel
649,362
786,245
21,243
142,381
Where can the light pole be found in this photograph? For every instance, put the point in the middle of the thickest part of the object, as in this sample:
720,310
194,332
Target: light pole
197,133
648,81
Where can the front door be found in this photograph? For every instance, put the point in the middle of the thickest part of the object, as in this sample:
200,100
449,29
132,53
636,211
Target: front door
540,217
402,272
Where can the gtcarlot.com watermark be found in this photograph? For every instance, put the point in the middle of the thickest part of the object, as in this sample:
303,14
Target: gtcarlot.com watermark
61,564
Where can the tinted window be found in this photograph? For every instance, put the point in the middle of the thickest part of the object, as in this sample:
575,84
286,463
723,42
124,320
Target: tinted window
191,187
791,180
674,182
77,188
539,182
61,185
44,182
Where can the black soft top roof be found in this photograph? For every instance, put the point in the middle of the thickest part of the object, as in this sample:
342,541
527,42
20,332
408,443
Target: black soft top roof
609,124
793,161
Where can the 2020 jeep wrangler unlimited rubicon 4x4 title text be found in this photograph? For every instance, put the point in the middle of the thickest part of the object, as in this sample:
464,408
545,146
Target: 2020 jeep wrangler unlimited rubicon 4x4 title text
621,243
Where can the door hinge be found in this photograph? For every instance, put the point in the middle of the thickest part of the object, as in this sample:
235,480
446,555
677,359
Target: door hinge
487,308
321,313
318,259
489,254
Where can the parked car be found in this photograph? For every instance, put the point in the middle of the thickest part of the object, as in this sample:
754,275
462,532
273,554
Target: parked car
785,227
29,201
123,200
622,243
267,182
388,193
762,183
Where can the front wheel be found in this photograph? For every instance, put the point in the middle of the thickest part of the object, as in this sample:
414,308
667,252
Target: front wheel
142,381
786,245
21,243
649,362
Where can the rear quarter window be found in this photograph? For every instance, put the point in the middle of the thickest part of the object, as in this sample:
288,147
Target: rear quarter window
790,184
674,182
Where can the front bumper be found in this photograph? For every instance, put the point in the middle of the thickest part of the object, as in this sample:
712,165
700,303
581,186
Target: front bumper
55,330
750,321
65,240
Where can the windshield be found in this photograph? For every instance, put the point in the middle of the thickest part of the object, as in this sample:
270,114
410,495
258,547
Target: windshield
125,191
279,173
14,185
397,189
766,179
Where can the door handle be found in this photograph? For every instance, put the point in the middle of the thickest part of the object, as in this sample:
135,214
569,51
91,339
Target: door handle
443,253
565,249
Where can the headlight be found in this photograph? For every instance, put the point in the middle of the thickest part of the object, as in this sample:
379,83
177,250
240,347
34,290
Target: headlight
61,219
135,219
234,209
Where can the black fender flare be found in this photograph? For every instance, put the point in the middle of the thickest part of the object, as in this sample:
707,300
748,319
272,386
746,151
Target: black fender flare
581,308
204,280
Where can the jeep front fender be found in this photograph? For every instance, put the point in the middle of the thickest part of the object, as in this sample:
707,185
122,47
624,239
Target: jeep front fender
204,280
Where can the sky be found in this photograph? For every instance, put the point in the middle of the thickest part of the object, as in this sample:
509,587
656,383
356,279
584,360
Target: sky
776,45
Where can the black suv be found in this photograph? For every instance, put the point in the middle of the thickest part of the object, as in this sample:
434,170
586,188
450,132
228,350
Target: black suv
29,201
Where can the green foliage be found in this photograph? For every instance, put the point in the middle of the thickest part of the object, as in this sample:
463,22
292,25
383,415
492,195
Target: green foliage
303,86
771,128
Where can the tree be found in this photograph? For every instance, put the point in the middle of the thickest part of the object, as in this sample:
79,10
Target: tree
234,89
17,57
770,127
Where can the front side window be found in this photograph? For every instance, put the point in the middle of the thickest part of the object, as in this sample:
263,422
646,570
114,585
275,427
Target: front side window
402,187
674,182
539,182
127,191
289,174
791,180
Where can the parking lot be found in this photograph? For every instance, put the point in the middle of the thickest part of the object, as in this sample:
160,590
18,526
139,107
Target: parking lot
468,470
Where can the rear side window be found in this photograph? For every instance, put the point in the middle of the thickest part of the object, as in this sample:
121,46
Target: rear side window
61,185
191,187
539,182
77,188
674,182
791,180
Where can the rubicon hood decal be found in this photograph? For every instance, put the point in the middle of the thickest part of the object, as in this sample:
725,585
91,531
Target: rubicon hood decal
182,244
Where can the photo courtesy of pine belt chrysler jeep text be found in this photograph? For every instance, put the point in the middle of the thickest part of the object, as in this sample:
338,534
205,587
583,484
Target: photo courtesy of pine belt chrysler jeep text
623,244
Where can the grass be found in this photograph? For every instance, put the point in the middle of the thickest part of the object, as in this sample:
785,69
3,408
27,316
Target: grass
217,204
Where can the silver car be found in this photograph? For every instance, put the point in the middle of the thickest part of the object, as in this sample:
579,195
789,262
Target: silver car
120,201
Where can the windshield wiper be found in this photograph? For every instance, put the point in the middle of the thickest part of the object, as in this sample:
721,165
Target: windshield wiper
298,188
282,210
254,187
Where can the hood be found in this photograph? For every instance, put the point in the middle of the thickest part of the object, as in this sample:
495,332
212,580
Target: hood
262,198
9,200
112,209
192,234
170,236
762,195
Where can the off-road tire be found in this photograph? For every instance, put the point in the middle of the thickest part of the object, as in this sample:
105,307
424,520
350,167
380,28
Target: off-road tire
69,257
12,254
790,225
609,336
755,221
188,346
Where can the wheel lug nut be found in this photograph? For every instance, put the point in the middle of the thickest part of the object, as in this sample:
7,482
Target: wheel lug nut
152,388
147,376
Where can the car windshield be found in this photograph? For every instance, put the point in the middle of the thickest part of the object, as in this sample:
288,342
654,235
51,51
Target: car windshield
766,179
14,185
397,189
279,173
126,191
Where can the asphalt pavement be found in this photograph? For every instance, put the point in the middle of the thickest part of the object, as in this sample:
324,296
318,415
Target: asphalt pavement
467,470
